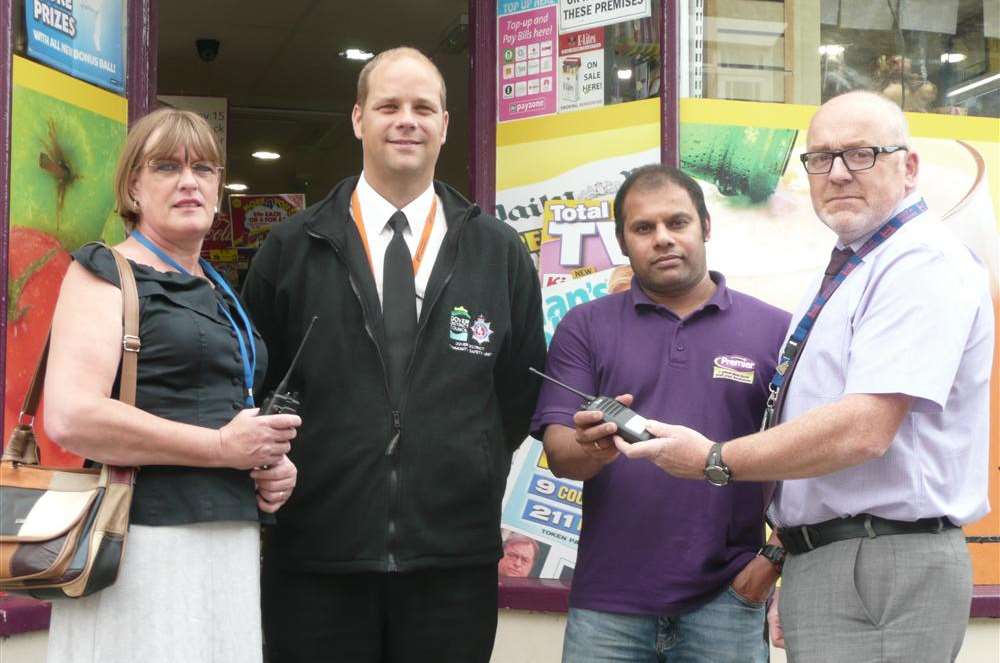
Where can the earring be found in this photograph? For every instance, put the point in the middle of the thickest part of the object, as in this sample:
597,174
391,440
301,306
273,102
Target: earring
136,203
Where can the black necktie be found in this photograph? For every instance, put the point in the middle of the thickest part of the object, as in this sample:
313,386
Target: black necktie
399,305
838,258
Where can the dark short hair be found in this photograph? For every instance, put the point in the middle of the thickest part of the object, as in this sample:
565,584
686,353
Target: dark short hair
654,176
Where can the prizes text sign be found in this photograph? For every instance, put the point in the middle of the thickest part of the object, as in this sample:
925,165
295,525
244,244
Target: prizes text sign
80,37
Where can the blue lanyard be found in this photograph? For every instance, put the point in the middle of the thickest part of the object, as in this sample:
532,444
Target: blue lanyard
798,338
249,358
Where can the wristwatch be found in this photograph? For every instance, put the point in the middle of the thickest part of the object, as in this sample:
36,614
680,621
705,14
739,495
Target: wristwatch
716,471
775,555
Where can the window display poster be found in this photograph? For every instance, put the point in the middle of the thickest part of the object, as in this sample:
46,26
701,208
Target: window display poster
253,216
581,69
579,14
526,42
65,140
83,38
220,237
552,178
545,512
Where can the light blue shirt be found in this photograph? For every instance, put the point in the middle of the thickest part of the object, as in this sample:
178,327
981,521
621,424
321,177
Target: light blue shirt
914,318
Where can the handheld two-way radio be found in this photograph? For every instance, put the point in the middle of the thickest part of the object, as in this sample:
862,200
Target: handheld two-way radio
631,426
283,401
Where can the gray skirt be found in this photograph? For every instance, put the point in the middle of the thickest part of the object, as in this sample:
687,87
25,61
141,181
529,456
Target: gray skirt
185,594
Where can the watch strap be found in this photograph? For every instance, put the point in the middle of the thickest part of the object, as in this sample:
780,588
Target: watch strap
773,554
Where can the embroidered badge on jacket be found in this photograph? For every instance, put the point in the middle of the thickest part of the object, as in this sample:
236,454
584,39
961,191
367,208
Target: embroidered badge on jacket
461,327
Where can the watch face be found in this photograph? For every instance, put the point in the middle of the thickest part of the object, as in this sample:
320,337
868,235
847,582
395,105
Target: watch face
717,475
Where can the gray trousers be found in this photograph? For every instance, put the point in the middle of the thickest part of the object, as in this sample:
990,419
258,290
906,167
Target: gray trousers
901,598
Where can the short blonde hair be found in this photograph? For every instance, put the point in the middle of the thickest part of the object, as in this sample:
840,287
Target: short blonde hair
173,128
395,54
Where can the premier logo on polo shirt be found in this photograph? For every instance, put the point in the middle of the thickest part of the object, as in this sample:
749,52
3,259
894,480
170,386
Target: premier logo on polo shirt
734,367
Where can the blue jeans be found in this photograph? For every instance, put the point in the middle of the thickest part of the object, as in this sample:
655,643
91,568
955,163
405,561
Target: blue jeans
728,629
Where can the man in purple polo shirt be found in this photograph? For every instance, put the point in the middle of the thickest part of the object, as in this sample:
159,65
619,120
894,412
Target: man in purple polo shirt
882,445
667,569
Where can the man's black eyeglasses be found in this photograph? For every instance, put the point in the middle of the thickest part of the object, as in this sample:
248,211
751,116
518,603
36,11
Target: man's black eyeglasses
855,158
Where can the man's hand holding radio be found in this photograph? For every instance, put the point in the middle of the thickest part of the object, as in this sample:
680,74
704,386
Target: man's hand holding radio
596,437
676,450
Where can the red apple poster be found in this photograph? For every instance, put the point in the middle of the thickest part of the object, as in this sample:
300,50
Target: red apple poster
65,140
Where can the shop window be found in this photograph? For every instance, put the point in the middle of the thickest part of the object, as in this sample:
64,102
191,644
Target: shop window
933,56
632,59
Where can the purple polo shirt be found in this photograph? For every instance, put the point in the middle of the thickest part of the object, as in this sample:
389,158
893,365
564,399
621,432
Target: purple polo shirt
651,543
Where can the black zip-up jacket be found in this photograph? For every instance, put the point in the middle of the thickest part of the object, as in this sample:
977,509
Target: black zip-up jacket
431,499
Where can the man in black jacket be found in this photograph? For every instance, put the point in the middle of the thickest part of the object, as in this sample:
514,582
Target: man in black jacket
414,393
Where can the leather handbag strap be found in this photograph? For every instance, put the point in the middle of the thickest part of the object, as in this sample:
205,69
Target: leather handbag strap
130,343
31,398
130,329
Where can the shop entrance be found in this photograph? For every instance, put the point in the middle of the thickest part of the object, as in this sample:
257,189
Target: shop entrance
279,78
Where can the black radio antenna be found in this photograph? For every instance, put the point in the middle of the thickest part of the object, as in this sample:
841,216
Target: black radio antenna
561,384
280,389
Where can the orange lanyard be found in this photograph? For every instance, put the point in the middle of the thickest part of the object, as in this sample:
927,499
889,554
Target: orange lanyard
424,237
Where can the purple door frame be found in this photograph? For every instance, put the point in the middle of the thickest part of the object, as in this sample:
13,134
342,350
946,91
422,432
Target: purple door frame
6,64
140,90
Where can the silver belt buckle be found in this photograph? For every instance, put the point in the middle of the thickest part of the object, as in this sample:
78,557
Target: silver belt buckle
805,536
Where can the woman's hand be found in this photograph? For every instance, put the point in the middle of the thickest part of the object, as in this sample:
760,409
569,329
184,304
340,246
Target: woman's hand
275,484
250,441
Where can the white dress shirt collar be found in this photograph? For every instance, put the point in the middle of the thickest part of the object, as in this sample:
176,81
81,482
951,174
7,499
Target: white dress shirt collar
376,210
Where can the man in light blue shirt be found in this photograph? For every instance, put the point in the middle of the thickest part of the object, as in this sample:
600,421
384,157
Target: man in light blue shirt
882,436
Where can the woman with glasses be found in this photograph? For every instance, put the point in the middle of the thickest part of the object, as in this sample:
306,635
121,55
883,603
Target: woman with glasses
209,469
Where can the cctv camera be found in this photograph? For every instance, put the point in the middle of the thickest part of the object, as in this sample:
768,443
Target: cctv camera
208,49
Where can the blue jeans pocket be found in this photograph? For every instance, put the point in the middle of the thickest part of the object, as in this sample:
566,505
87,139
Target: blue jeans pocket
756,605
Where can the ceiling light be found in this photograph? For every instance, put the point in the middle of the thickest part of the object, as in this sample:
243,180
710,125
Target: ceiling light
236,186
952,58
357,54
832,50
973,86
624,74
265,155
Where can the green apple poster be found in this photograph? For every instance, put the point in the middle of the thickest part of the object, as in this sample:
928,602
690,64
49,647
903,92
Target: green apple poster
65,140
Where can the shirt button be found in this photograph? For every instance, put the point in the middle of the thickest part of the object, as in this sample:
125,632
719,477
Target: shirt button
237,381
680,348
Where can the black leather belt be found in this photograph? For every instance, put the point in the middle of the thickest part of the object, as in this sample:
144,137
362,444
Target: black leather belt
802,539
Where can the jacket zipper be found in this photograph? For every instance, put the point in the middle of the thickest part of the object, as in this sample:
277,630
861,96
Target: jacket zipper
394,471
397,428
